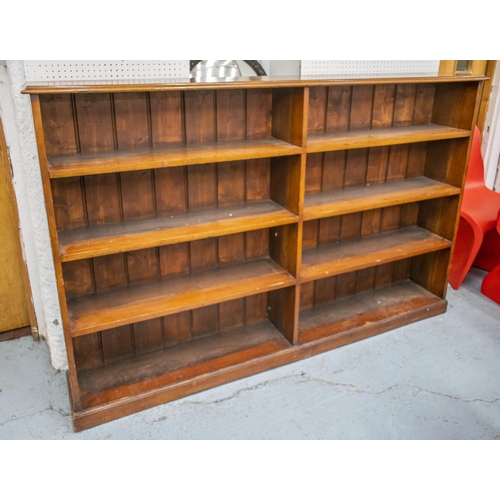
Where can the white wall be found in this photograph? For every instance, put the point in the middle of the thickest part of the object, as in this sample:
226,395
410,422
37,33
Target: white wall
369,68
19,131
491,135
284,68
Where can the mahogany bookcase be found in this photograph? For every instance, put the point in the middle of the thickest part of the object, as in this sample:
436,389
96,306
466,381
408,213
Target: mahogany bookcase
204,232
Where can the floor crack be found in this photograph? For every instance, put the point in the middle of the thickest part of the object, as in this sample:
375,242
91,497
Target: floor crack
238,392
302,378
457,398
349,387
29,415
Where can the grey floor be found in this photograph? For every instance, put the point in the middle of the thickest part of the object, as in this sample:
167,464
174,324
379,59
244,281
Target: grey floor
436,379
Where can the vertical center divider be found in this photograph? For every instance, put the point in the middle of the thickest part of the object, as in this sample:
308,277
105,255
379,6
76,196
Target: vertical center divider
290,117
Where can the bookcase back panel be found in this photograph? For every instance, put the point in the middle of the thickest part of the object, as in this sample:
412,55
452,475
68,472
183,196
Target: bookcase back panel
357,107
427,270
359,167
443,161
324,290
85,123
332,230
144,194
431,271
455,105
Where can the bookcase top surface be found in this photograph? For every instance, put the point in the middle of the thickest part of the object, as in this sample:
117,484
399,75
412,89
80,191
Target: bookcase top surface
103,86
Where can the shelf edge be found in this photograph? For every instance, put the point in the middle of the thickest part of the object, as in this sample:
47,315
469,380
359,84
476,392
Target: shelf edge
159,237
350,264
91,322
371,202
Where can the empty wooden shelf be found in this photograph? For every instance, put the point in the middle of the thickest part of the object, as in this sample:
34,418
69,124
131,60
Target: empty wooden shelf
112,308
204,232
180,362
348,316
103,239
356,199
129,160
381,248
355,139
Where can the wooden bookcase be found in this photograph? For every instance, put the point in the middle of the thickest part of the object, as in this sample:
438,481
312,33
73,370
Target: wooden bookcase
203,232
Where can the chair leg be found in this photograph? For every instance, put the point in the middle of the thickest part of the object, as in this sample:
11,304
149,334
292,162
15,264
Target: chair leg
489,253
467,245
491,284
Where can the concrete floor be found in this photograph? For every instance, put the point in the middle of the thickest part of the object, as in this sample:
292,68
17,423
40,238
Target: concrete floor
436,379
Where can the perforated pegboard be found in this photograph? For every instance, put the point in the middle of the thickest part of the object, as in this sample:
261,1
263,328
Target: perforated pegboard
47,71
347,69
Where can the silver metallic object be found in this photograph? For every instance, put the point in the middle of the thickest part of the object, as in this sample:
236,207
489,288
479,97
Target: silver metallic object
215,69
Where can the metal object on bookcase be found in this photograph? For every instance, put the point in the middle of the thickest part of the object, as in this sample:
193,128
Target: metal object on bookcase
218,68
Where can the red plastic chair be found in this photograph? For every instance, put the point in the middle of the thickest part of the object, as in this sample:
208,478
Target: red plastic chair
478,217
491,282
